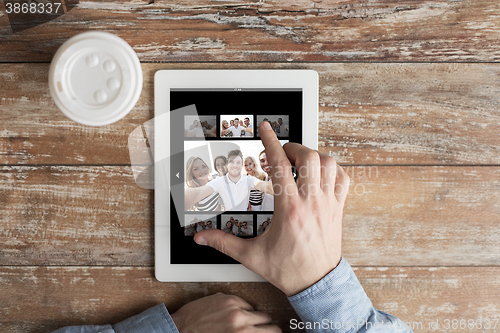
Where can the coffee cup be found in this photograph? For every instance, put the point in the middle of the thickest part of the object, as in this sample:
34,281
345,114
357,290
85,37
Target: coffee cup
95,78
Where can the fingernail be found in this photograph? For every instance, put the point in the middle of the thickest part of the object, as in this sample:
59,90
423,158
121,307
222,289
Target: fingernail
266,125
201,241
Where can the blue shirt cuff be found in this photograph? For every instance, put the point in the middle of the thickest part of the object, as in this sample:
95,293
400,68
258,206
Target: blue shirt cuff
337,297
154,320
338,303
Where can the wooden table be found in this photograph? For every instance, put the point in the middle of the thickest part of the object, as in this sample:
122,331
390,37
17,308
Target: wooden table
409,106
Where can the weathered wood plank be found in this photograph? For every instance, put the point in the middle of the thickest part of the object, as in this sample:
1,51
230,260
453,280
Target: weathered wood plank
277,31
423,216
42,299
369,114
74,215
82,295
35,131
395,216
410,113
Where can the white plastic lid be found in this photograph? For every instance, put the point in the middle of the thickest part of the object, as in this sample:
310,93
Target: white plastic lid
95,78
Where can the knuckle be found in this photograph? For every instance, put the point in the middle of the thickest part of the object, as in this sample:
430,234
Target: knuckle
341,190
344,178
341,173
316,208
236,316
312,156
220,297
230,301
235,299
267,316
294,206
328,162
282,164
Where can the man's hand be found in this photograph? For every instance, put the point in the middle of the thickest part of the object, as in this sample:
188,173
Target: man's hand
222,313
303,242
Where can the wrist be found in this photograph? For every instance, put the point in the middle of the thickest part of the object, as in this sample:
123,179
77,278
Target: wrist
177,319
303,282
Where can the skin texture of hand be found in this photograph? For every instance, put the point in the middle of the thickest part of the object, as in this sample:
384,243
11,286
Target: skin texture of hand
222,313
303,242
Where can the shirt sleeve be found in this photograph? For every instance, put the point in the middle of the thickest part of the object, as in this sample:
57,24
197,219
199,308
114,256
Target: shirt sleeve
252,181
338,303
215,183
154,320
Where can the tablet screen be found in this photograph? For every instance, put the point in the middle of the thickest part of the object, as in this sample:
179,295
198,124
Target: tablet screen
224,167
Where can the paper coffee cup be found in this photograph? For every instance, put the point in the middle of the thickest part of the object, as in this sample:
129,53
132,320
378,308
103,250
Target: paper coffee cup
95,78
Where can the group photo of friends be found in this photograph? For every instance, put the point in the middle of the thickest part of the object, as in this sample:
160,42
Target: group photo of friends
263,222
236,126
278,123
196,223
200,126
227,176
240,225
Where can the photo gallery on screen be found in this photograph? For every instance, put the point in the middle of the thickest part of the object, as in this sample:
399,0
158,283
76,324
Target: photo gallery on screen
228,174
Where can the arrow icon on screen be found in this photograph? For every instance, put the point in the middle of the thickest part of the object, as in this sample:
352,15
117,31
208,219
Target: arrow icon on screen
177,175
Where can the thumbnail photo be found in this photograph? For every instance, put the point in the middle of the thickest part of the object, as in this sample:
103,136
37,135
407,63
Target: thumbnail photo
227,176
279,124
236,126
200,126
240,225
196,223
263,222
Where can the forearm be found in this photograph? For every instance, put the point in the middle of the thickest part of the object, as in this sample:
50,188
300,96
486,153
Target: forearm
195,194
189,197
212,132
153,320
266,187
269,188
338,303
190,133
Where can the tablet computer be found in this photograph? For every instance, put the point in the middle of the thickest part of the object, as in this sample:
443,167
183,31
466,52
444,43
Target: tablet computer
206,132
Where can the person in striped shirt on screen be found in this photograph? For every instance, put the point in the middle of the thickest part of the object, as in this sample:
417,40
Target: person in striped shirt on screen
256,196
198,174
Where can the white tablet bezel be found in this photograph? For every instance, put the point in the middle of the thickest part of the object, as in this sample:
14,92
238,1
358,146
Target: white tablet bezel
307,80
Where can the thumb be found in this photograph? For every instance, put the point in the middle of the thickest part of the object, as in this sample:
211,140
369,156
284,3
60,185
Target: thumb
228,244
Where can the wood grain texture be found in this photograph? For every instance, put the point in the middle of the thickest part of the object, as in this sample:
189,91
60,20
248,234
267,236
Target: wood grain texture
438,114
394,216
35,131
413,83
277,31
422,216
102,295
82,295
74,216
410,113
